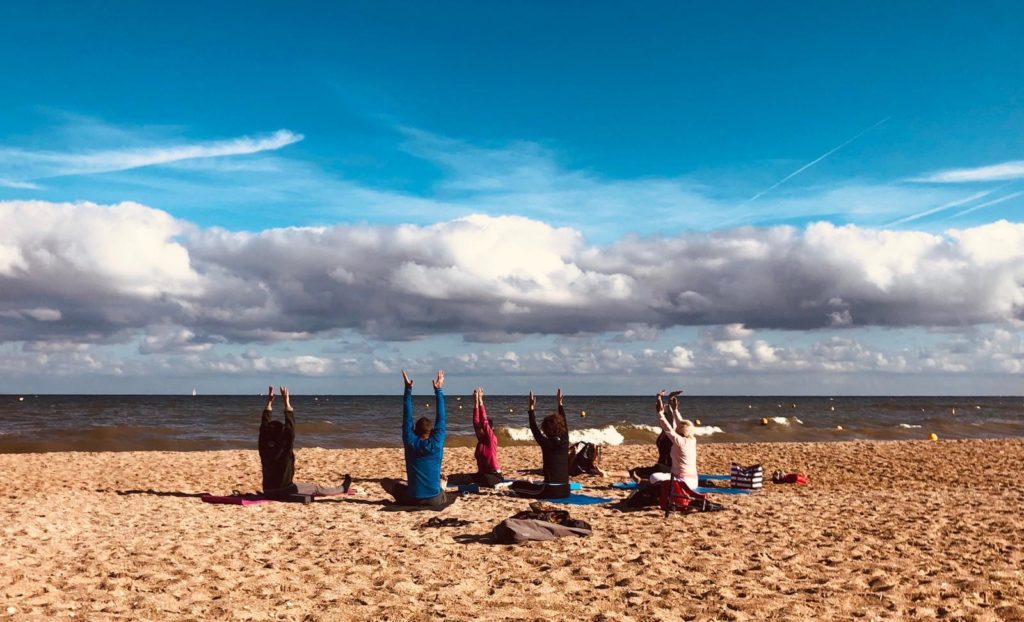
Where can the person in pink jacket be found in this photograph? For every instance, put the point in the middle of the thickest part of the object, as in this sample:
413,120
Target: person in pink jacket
488,471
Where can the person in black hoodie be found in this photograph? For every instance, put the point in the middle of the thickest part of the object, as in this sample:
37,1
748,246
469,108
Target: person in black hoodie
553,438
277,455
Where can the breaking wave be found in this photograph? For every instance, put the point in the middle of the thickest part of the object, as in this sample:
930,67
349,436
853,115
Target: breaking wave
607,435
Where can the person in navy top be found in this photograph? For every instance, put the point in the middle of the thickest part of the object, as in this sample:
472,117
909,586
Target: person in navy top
424,451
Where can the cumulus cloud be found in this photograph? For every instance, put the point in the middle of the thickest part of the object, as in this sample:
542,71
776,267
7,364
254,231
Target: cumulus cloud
83,271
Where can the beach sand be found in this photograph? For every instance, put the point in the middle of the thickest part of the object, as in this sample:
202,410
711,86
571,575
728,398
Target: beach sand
884,530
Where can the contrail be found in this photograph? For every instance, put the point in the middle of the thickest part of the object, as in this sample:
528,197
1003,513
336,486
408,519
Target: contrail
1012,195
813,162
944,206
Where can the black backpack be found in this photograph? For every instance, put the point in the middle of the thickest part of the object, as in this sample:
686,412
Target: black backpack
643,496
584,458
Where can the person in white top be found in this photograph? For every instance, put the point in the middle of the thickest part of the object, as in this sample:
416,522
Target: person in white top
684,443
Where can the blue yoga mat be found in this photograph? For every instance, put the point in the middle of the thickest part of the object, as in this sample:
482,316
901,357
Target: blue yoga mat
718,477
475,488
578,500
572,485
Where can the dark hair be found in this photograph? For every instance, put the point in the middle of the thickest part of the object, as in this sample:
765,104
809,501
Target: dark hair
553,426
423,427
276,429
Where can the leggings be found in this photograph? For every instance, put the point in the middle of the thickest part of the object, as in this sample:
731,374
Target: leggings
691,482
647,472
540,491
400,492
487,480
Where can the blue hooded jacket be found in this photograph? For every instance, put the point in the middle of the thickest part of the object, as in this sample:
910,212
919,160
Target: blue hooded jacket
423,456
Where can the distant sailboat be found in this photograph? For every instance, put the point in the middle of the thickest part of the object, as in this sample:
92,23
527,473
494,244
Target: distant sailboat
193,393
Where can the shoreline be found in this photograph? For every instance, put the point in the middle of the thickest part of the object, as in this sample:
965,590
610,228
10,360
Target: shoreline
884,529
464,443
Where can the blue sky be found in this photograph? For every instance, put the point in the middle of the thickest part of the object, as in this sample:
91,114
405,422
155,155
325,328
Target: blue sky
621,124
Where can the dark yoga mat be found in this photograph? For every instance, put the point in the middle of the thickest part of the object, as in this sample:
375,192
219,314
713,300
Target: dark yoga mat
253,499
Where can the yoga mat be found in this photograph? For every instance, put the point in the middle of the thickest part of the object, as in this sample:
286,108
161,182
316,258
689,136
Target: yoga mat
575,500
572,485
258,499
463,489
236,499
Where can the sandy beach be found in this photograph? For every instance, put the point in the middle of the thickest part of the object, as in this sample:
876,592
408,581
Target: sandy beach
884,530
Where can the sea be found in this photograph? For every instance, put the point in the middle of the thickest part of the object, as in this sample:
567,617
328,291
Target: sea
43,423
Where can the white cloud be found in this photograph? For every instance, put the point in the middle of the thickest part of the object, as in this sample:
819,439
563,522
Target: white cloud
22,167
18,185
679,358
993,172
83,249
171,339
103,272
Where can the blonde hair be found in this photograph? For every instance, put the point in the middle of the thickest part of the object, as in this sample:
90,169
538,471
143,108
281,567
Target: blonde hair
687,428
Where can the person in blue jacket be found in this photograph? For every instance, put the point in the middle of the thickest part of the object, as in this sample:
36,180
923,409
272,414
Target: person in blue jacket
424,450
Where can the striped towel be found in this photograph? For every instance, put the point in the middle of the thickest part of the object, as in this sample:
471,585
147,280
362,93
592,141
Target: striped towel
750,477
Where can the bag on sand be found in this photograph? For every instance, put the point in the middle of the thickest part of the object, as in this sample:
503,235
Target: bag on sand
584,457
643,496
517,530
779,477
676,496
751,477
540,522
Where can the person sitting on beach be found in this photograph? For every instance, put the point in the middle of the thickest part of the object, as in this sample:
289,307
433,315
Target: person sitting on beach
663,465
684,443
488,471
553,438
277,455
424,451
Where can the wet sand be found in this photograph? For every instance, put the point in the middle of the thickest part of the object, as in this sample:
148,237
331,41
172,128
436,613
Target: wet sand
884,530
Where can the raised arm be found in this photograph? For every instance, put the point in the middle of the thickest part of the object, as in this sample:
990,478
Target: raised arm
408,436
268,410
561,411
480,423
485,423
531,410
441,416
289,413
669,429
673,402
